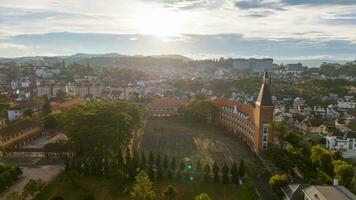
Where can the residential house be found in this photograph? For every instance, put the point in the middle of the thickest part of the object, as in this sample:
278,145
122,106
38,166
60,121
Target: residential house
346,103
336,192
16,112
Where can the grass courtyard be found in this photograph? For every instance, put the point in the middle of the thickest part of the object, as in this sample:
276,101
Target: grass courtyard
182,138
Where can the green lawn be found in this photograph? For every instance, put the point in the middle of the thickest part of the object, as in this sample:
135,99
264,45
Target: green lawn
114,188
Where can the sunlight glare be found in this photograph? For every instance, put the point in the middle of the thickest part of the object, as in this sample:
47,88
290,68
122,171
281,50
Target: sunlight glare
158,22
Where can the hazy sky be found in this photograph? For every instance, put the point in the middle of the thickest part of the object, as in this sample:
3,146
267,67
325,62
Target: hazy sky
282,29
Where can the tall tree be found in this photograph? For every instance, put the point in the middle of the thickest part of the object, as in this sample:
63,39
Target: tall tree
158,159
216,170
225,172
143,189
170,193
108,137
143,159
242,168
46,108
276,182
173,164
234,173
151,159
165,162
203,196
207,172
343,172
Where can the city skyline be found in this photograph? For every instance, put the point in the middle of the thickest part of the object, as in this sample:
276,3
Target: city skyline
283,29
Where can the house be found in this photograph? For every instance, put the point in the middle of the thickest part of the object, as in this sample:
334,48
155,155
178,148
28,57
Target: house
88,90
51,90
18,134
294,69
313,125
294,191
336,192
252,123
340,143
165,107
346,103
16,112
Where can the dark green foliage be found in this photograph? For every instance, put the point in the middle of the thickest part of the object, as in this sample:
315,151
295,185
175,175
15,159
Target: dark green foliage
50,122
216,170
234,173
165,162
158,159
108,137
225,172
207,172
143,159
173,164
242,168
47,108
276,182
28,112
151,159
200,110
170,193
151,173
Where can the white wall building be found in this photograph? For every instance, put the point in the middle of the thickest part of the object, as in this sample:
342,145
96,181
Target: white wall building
336,143
255,65
346,103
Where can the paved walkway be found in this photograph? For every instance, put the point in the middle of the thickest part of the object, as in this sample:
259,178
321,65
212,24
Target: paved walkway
45,172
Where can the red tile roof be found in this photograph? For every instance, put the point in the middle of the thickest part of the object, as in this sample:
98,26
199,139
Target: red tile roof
166,103
244,108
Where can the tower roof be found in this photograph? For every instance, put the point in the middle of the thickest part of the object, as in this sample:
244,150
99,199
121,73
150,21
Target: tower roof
264,97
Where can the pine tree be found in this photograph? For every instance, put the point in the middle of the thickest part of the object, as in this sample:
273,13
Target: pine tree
151,173
225,171
165,162
216,170
151,159
143,189
159,173
234,173
170,193
173,164
207,172
158,159
143,159
242,168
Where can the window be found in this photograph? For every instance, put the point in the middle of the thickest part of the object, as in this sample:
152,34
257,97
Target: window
265,136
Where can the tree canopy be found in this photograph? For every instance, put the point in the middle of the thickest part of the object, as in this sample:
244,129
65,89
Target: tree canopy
100,130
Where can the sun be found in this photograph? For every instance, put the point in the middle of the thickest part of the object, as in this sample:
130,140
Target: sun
158,22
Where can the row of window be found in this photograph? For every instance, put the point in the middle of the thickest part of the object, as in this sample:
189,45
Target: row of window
163,109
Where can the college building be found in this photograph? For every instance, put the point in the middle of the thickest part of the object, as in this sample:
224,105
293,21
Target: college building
252,123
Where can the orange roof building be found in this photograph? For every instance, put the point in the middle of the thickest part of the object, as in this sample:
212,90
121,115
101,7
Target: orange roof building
164,107
253,123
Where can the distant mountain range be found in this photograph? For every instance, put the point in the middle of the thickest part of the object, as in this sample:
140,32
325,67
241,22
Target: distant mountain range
110,58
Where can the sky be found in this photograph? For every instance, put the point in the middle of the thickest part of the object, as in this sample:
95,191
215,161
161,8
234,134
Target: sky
286,30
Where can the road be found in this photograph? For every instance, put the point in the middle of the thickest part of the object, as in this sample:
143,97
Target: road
44,172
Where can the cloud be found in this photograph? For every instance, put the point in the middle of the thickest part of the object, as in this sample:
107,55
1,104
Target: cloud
257,4
13,46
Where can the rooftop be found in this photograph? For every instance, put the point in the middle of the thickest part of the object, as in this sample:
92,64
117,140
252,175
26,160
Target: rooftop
328,193
18,126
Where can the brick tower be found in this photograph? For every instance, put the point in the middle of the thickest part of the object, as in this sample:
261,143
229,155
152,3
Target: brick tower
263,114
